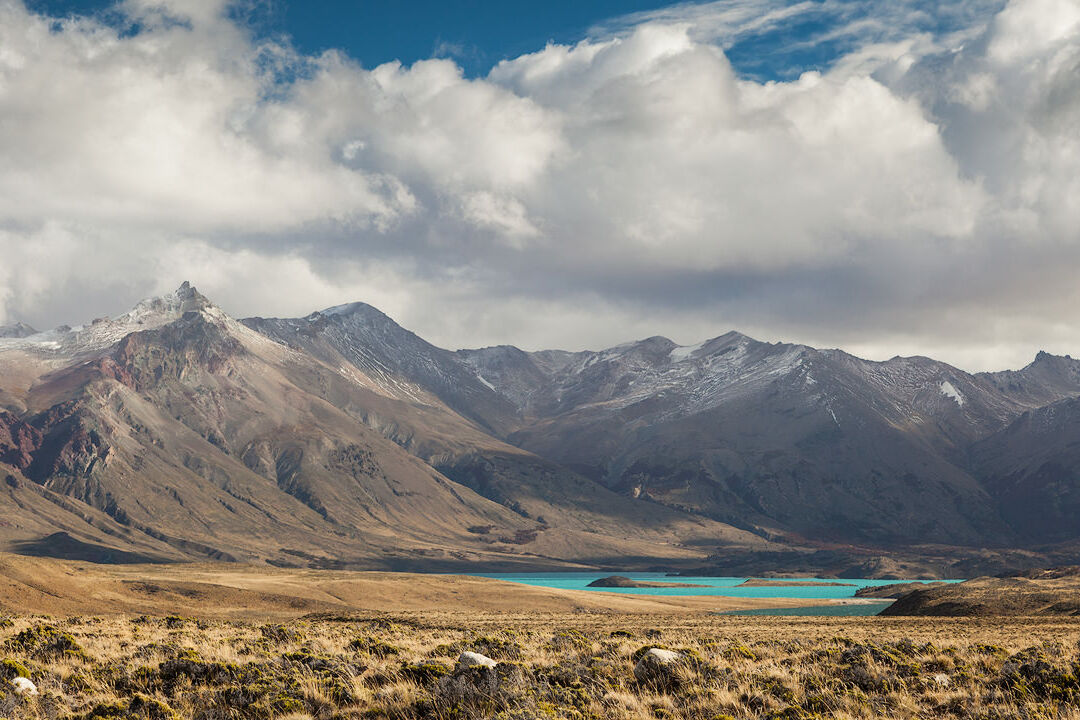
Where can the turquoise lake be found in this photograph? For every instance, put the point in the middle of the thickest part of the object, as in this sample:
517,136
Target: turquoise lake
723,586
720,586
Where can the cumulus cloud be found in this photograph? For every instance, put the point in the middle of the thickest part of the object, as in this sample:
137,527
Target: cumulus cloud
156,130
919,195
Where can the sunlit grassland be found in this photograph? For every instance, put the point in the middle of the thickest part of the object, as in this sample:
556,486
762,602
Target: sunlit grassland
578,665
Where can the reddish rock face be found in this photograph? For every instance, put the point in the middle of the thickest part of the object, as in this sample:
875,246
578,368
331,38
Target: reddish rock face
56,442
144,359
18,441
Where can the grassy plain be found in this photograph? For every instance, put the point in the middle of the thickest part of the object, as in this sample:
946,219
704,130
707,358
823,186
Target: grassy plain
552,665
560,656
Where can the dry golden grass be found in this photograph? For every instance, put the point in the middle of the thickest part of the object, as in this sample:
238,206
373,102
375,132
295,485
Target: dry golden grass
552,665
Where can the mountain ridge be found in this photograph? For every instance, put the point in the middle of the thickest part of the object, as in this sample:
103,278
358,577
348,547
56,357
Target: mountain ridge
153,432
568,402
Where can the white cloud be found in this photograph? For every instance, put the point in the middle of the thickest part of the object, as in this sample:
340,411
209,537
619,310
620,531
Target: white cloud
680,161
578,195
722,21
194,12
425,124
505,215
1027,30
151,130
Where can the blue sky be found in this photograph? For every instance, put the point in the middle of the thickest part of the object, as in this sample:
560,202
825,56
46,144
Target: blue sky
477,34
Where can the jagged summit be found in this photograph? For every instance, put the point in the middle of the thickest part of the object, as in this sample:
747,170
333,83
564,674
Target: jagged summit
1044,380
1042,357
104,332
166,307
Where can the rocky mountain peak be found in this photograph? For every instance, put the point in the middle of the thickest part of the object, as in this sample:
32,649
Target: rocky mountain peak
1044,380
104,332
184,299
16,330
359,317
357,314
1048,362
348,309
728,340
651,350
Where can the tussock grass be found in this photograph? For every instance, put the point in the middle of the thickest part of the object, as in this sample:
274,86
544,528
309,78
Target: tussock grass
577,666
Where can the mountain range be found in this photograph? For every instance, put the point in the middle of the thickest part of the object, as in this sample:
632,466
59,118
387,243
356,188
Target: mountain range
175,432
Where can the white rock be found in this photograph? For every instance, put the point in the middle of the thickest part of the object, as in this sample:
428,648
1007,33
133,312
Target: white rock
660,655
472,659
23,686
655,664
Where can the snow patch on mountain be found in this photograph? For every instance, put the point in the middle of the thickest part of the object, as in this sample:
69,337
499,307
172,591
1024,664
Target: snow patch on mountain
949,390
345,309
682,352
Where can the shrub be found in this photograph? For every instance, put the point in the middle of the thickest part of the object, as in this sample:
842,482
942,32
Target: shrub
425,673
44,642
374,647
11,669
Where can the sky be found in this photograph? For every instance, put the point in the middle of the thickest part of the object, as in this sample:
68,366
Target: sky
476,34
889,178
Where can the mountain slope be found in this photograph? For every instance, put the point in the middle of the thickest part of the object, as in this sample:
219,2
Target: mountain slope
398,363
1032,468
418,388
188,434
1047,379
815,442
785,440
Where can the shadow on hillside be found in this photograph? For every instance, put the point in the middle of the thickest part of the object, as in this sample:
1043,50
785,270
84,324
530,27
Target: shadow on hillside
64,547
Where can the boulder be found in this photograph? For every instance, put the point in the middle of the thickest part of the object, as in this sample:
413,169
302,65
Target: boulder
659,667
469,659
23,686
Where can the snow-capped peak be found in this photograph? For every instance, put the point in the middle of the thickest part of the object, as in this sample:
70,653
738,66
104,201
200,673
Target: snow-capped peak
103,332
346,309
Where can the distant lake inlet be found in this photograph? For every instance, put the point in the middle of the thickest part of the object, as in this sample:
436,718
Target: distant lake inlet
721,587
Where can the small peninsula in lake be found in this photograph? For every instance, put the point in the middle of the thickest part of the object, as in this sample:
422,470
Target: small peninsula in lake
619,581
761,582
